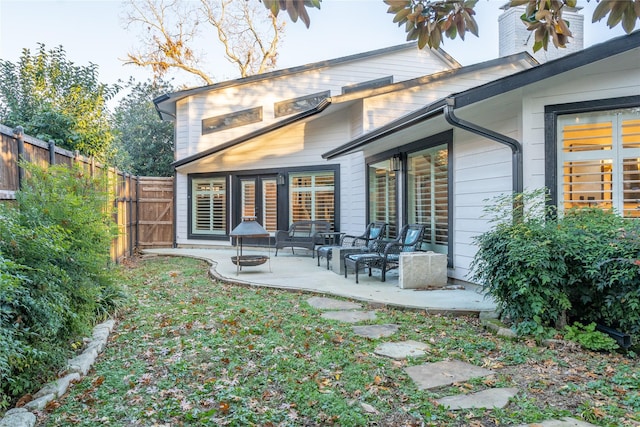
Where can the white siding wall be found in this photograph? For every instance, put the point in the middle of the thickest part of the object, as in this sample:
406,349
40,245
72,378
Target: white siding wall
404,64
609,79
181,218
482,170
382,109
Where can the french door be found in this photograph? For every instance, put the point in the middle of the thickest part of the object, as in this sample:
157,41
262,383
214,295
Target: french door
258,197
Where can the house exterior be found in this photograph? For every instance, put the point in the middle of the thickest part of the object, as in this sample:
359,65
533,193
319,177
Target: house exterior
405,135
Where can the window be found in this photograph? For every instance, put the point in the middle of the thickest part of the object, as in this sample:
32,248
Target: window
428,195
296,105
231,120
259,198
599,160
270,204
209,197
383,194
312,196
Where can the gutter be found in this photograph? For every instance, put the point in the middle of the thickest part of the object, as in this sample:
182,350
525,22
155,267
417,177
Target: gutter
516,148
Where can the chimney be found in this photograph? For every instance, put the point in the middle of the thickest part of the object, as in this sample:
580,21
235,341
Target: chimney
515,38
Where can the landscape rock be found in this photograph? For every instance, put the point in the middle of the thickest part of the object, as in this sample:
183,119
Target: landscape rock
39,403
18,417
82,363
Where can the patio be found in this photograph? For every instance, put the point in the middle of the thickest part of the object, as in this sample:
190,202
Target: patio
301,272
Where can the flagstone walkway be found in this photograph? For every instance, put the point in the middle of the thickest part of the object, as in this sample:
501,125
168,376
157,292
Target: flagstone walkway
428,375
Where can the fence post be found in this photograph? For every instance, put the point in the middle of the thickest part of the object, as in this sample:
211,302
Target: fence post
18,132
52,152
138,211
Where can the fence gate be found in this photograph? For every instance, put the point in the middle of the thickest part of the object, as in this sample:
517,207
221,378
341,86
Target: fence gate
155,212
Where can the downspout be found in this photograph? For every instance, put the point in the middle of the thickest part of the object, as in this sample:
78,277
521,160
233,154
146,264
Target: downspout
516,147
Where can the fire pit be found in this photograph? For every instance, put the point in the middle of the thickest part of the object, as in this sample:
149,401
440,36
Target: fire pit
249,227
249,260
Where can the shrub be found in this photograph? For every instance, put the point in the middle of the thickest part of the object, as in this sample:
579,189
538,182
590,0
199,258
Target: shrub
55,273
542,270
589,338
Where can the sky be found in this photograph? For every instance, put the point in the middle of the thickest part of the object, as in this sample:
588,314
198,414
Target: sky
93,31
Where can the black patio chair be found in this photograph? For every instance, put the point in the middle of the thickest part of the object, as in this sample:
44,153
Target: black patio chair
387,255
365,242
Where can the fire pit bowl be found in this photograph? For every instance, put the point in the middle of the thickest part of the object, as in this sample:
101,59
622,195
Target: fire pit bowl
249,260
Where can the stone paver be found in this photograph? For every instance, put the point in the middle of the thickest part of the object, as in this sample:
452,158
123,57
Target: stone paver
375,331
323,303
350,316
565,422
402,350
491,398
446,372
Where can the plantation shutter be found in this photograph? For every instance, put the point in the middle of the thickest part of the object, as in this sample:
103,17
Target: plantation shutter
270,205
382,195
209,205
600,161
428,194
248,190
312,196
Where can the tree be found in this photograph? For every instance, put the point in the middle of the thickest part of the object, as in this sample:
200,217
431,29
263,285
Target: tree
144,142
428,20
54,99
249,35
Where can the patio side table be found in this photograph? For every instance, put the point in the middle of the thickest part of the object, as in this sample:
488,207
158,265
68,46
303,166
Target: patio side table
338,254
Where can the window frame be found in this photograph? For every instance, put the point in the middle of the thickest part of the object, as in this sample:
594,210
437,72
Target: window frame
190,207
551,114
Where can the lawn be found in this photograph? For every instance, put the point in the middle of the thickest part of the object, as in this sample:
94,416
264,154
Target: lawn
191,351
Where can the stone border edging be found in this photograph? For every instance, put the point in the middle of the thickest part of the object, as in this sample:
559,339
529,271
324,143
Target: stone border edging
76,368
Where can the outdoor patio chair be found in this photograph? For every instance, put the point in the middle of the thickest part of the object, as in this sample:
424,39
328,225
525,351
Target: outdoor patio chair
364,242
387,255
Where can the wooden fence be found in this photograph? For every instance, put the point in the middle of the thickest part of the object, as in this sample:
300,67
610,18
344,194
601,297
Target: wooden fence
143,205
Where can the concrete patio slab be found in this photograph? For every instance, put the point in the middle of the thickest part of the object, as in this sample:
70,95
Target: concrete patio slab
402,350
300,272
375,331
446,372
490,398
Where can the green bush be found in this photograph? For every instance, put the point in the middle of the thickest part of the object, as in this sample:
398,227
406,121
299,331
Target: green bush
55,273
543,270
